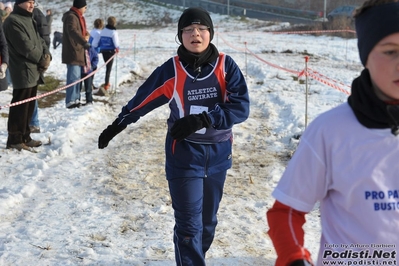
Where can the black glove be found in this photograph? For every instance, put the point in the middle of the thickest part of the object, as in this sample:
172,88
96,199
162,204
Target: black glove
87,46
109,133
300,263
187,125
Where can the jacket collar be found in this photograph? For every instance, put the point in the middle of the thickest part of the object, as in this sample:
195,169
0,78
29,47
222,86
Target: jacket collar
110,27
20,11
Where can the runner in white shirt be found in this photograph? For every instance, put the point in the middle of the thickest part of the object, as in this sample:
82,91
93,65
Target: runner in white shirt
348,160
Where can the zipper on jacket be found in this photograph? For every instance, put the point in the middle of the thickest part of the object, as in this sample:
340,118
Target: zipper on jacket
173,146
206,160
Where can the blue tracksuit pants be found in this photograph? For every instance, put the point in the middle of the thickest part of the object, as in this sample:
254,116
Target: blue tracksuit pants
195,202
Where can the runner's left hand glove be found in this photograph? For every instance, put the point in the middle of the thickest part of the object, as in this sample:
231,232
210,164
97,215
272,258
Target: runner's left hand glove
109,133
3,69
187,125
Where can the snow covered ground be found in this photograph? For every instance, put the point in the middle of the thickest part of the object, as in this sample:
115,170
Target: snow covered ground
73,204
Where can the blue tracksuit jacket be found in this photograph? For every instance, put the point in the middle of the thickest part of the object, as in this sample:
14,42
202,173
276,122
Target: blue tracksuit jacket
220,90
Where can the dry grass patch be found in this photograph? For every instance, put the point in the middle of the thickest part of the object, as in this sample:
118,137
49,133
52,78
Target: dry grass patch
51,83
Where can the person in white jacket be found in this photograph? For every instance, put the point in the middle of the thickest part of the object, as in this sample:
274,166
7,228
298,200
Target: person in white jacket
95,35
96,31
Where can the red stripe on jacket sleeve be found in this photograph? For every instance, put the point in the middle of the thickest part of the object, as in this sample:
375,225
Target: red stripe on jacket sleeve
166,89
287,234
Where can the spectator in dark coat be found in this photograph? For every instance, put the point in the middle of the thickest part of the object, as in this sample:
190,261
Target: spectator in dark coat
29,58
8,7
3,59
42,25
44,32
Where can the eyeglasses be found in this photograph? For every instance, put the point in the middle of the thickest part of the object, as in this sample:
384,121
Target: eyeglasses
191,29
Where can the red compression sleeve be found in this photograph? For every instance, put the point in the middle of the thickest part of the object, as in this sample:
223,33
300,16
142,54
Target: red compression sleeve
287,234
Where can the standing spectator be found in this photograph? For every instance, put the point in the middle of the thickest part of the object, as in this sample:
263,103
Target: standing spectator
49,18
92,61
108,45
95,34
44,32
41,23
347,160
3,52
74,45
4,61
8,8
198,144
29,58
3,13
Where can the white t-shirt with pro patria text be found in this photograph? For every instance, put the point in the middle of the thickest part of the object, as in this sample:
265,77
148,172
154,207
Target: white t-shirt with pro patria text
353,171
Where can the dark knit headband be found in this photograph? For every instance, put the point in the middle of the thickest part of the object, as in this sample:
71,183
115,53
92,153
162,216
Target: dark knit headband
373,25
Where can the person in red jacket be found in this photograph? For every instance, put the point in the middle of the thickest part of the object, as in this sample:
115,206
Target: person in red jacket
347,160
